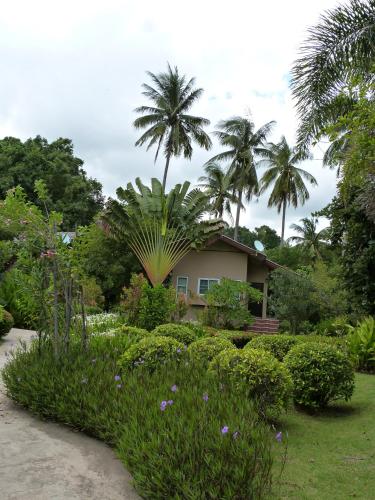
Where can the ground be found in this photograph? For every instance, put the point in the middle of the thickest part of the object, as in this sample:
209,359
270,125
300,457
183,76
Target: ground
45,461
331,455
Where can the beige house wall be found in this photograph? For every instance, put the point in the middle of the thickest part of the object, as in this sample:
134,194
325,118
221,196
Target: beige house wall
213,264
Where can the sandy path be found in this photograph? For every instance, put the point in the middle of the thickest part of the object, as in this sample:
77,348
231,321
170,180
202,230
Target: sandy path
46,461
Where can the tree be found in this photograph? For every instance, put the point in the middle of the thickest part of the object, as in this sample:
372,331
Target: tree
167,122
70,192
160,228
309,238
341,47
264,233
218,186
239,135
106,260
286,178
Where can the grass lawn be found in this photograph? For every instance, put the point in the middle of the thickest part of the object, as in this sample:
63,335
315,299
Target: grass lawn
331,455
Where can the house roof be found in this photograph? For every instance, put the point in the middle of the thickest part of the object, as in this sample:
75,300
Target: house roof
245,249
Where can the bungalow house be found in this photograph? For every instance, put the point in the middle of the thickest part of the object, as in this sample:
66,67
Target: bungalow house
223,257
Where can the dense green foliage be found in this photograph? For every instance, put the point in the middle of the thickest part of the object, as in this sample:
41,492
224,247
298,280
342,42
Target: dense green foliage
361,344
178,432
227,304
179,332
259,373
278,345
206,349
320,373
147,307
151,352
333,327
109,262
70,192
6,321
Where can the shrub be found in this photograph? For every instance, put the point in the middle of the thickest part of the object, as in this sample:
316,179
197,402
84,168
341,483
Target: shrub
151,352
264,378
278,345
147,307
336,342
179,332
336,327
6,322
206,349
133,331
182,451
321,374
361,344
91,310
227,304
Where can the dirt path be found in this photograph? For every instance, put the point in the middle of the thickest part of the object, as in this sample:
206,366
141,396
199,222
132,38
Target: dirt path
46,461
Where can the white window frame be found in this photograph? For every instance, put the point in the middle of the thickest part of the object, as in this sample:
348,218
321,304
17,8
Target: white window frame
187,283
207,279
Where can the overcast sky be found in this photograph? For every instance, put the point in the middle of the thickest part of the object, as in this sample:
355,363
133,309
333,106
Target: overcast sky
75,68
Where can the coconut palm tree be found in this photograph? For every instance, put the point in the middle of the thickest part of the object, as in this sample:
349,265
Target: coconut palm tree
338,50
218,186
160,228
309,237
286,178
239,135
167,122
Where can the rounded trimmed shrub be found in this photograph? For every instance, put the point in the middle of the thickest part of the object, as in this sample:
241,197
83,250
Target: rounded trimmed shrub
179,332
151,352
260,374
321,374
204,350
6,322
133,331
278,345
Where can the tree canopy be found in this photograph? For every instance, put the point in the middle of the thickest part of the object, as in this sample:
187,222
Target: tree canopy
77,197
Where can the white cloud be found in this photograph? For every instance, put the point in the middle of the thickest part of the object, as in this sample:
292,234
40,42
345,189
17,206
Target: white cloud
75,69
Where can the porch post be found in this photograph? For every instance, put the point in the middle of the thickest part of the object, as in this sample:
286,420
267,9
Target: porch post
264,304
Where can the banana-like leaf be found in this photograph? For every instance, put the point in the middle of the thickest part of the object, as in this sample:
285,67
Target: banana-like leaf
160,229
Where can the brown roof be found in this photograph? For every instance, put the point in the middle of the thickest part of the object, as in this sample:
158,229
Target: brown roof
244,248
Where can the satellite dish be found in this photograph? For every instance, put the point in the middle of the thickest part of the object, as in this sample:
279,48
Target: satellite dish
259,245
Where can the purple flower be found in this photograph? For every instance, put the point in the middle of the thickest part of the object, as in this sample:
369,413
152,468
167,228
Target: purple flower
174,388
170,402
279,437
235,435
178,350
163,405
117,378
205,397
225,429
119,386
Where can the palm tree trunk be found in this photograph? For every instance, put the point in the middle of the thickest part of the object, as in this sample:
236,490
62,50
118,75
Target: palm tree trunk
239,204
283,224
166,170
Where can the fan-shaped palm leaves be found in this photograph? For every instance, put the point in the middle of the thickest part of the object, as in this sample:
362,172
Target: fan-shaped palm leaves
339,49
239,136
309,237
286,178
160,228
218,186
167,122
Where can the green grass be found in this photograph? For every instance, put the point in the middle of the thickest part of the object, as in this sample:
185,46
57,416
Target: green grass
331,454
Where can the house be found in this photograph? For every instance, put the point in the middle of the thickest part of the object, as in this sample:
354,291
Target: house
223,257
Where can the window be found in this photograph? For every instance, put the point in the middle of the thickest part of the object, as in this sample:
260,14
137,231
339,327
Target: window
205,284
182,284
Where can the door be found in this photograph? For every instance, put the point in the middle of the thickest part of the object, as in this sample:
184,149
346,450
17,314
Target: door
254,308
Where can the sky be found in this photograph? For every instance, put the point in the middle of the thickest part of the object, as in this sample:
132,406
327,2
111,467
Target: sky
75,69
